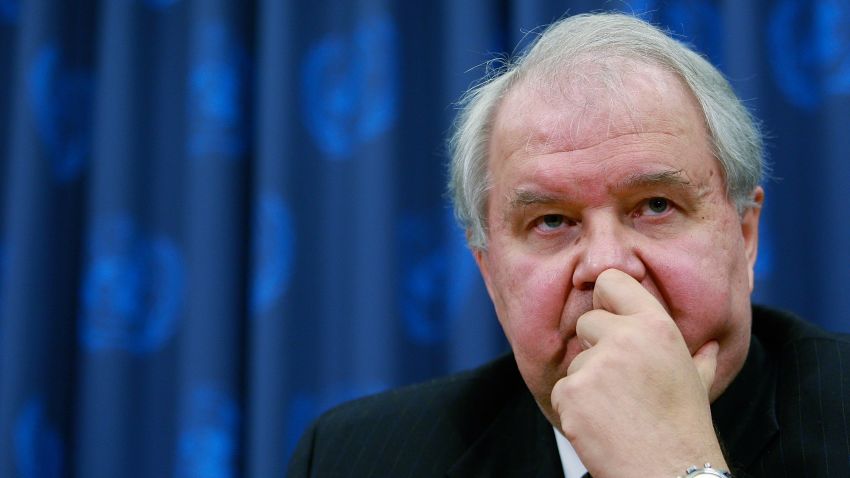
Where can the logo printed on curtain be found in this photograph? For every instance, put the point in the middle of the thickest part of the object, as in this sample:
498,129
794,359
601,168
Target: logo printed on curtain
208,442
38,447
160,4
132,289
218,93
698,21
9,10
273,249
438,277
61,100
810,50
350,86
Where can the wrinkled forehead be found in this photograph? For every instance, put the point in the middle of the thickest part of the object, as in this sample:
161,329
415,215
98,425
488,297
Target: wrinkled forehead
577,106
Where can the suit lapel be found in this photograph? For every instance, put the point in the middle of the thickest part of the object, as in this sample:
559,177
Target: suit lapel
745,415
519,442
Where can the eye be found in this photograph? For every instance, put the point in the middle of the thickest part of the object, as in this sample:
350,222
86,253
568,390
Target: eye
552,221
656,206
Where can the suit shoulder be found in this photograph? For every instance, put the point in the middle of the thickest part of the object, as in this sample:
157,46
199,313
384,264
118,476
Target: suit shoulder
782,332
812,394
806,355
461,393
418,430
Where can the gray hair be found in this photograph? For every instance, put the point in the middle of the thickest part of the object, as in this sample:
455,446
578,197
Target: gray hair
735,136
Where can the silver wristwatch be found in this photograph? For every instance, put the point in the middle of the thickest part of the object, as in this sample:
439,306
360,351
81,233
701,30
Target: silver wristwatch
705,472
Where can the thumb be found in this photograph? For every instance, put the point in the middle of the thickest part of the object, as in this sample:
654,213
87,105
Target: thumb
705,360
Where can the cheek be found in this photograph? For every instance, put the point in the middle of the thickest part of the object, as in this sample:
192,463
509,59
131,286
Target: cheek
703,281
704,288
530,295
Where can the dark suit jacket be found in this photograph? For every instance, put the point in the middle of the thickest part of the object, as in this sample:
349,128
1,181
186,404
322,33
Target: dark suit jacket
787,413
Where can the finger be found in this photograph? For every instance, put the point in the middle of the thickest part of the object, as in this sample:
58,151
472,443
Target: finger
705,360
619,293
594,324
557,397
579,360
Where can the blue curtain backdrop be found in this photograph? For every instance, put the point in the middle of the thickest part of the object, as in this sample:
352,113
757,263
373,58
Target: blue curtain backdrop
219,218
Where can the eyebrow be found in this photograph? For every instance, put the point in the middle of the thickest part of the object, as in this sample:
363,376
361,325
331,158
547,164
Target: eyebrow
522,198
671,177
525,197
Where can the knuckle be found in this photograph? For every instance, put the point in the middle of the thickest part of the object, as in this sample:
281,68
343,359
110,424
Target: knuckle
566,389
625,340
615,360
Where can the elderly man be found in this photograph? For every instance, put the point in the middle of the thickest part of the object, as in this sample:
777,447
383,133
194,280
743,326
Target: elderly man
608,182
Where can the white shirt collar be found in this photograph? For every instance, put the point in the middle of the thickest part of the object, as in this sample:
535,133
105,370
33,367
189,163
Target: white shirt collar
573,467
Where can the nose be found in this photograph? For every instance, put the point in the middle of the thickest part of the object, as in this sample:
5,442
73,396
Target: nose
605,243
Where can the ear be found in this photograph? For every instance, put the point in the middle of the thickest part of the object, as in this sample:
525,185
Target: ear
750,232
480,256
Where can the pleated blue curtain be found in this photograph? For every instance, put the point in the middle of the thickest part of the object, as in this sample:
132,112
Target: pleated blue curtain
220,218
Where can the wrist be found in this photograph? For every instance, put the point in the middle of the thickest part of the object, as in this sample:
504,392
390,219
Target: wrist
706,471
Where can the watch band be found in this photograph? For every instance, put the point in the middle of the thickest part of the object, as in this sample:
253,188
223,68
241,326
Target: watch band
705,472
